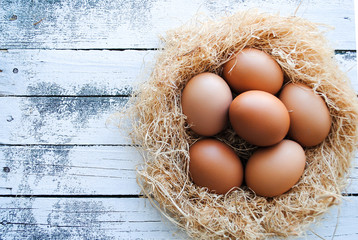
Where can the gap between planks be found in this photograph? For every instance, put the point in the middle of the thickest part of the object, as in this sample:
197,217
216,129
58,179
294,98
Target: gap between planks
102,196
74,196
111,49
125,49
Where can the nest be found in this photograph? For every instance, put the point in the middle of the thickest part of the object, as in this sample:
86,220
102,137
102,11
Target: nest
161,132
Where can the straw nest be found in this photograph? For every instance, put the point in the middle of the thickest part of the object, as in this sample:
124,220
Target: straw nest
159,128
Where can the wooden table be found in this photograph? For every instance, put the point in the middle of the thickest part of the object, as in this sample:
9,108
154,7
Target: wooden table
67,67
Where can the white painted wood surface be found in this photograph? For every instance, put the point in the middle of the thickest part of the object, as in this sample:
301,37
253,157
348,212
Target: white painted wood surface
66,67
80,73
129,218
94,24
79,170
60,120
69,170
94,72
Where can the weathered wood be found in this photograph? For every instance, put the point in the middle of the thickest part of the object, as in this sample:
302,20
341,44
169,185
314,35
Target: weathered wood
348,64
132,218
79,170
68,170
77,24
78,218
71,72
95,72
65,145
60,120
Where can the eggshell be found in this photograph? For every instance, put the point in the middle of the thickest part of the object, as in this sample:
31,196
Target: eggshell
205,101
310,118
272,171
259,117
252,69
214,164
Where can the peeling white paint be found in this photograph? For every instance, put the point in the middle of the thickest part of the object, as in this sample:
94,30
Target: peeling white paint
77,24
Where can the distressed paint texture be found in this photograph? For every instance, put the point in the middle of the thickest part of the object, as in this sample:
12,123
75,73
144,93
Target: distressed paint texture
69,170
60,120
74,218
72,72
132,218
76,24
79,170
92,73
66,68
60,220
347,61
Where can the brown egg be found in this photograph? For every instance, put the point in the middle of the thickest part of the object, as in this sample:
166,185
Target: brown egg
259,117
214,164
310,118
205,101
273,170
252,69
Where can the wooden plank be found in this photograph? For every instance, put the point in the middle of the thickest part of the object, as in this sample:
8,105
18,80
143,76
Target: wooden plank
95,72
92,24
348,64
78,218
69,170
79,170
60,120
71,72
353,177
132,218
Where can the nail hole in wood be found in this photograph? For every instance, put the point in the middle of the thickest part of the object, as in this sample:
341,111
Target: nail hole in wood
13,17
4,222
9,118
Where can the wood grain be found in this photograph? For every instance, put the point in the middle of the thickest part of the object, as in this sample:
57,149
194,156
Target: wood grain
78,218
72,72
79,170
131,218
61,120
108,24
68,170
66,69
92,73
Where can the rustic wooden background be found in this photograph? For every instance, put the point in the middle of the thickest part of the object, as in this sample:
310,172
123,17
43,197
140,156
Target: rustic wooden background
66,67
